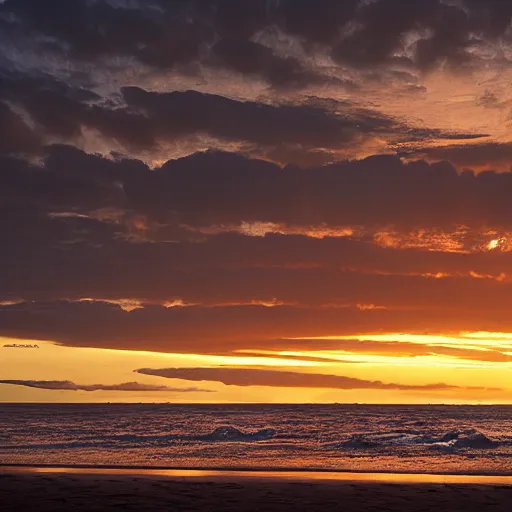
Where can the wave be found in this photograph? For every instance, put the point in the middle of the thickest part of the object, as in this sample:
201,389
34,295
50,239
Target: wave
233,434
224,433
220,434
386,439
449,442
456,439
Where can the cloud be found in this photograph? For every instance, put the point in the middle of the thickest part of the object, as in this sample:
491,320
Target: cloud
15,135
251,58
228,330
302,287
167,34
66,385
373,192
231,268
405,349
60,111
257,377
183,113
218,330
492,155
179,113
292,231
66,102
113,230
92,30
142,121
322,27
421,34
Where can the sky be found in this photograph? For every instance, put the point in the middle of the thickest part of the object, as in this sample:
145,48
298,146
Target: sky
265,201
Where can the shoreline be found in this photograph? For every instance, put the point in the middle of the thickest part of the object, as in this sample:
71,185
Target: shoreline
38,489
294,474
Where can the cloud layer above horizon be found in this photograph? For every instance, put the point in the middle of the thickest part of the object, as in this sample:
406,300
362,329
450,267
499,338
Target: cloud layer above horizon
273,378
66,385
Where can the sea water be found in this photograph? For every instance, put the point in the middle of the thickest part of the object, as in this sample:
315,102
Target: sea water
419,439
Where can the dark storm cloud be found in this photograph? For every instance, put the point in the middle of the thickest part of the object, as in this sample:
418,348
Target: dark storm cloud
257,377
236,22
385,23
145,119
227,330
74,257
168,33
212,188
163,34
184,113
376,190
74,277
39,86
66,385
224,329
78,212
297,18
491,155
80,216
56,109
492,15
449,32
296,251
89,30
177,114
252,58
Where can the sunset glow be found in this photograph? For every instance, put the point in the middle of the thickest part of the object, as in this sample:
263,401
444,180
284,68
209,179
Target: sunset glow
315,193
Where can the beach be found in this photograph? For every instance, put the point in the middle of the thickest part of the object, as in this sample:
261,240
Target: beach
80,489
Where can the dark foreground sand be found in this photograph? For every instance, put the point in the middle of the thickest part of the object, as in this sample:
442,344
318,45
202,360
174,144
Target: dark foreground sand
26,491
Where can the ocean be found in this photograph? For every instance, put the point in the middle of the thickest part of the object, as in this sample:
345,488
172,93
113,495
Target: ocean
374,438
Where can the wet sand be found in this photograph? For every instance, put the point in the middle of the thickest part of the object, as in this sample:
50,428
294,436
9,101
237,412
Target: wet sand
78,489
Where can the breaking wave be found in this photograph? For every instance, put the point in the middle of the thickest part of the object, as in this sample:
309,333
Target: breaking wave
470,438
449,442
220,434
233,434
